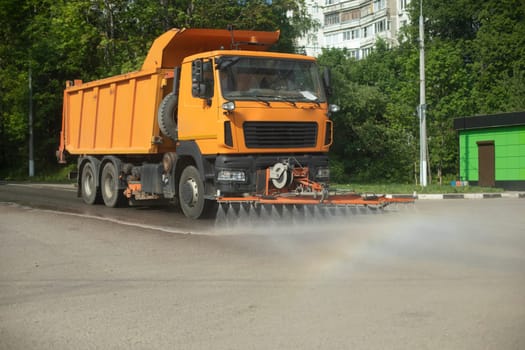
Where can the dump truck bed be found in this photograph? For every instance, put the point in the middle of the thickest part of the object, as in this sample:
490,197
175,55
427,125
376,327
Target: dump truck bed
114,115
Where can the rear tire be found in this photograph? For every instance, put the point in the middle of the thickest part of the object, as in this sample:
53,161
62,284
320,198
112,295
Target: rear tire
109,186
88,185
191,195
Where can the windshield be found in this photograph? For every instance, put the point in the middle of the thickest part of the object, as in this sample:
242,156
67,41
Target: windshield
269,79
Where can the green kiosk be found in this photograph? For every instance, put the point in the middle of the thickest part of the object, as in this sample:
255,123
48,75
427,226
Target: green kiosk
492,150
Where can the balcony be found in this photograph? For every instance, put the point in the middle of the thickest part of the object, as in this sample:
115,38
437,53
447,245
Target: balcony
342,6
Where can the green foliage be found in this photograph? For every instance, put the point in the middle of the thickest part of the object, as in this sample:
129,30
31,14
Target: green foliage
500,61
60,40
337,171
475,64
400,188
370,142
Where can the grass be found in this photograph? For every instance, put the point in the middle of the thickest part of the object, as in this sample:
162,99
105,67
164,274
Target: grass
56,175
411,188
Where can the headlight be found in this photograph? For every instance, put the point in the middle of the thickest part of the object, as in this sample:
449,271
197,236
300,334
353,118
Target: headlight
231,175
228,106
333,108
323,173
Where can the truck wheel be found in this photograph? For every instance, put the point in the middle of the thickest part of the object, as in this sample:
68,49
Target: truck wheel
88,185
191,195
109,185
167,116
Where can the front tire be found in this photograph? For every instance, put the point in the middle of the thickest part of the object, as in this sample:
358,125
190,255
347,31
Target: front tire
88,185
109,185
191,195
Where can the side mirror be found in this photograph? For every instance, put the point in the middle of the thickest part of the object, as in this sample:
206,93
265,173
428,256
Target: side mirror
327,81
202,79
203,92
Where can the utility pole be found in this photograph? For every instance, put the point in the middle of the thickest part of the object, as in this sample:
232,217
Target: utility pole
30,117
30,121
422,103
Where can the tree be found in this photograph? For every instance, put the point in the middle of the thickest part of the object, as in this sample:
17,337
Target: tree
13,81
91,39
449,87
368,143
500,55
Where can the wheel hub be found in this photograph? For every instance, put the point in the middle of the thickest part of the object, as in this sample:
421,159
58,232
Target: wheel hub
189,192
108,186
87,184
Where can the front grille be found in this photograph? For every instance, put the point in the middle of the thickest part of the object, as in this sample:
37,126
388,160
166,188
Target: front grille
279,135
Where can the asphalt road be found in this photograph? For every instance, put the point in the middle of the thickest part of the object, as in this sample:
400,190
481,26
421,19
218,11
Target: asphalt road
444,274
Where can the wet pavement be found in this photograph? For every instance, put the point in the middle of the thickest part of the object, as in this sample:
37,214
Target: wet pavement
444,274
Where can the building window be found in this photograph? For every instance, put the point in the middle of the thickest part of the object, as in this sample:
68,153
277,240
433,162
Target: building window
331,2
332,18
351,34
380,26
403,4
332,39
379,5
366,52
348,16
367,31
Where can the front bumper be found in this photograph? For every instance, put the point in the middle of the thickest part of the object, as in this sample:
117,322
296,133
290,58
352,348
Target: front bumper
251,164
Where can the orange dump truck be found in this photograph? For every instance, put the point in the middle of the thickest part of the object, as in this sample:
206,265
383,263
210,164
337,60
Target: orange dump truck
212,117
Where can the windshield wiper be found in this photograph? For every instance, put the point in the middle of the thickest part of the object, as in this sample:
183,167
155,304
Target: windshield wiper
290,101
316,101
260,99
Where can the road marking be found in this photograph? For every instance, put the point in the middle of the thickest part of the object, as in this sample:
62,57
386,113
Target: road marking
101,218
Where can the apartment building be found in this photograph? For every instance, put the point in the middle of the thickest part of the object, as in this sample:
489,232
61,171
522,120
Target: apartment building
354,24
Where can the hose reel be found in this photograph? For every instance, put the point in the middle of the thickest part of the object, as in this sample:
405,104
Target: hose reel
281,175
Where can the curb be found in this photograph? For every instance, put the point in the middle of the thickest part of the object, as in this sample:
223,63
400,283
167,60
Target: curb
460,195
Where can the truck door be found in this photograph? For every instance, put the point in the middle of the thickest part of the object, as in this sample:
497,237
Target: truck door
198,104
